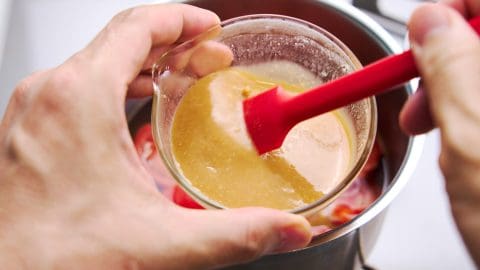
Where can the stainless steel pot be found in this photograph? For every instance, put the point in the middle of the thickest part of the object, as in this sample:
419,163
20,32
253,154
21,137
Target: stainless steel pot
348,246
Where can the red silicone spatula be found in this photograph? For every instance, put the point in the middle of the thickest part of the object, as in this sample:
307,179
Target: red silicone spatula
270,115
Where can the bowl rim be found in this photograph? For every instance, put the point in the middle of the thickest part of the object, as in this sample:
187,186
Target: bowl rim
305,210
415,144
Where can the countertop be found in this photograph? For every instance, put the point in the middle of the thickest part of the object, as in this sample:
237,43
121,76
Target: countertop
419,232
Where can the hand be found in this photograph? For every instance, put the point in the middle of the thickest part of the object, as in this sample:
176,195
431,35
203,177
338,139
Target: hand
447,53
73,193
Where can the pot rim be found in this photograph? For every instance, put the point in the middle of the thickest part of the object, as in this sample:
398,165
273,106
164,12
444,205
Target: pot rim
415,144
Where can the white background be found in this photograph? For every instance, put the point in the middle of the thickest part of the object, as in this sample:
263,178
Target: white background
418,233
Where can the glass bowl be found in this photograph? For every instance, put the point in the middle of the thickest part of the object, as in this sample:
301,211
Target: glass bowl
253,40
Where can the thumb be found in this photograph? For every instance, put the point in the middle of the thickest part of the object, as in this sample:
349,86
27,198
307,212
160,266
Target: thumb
225,237
447,53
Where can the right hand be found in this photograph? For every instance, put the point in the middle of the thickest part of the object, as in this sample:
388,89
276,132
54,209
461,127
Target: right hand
447,53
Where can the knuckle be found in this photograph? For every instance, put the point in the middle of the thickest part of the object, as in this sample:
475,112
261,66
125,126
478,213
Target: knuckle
59,92
128,14
62,77
21,92
121,16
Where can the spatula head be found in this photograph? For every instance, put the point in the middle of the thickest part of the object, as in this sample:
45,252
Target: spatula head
265,123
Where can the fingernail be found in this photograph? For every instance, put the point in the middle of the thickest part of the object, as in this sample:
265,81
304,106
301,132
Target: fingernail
427,21
293,237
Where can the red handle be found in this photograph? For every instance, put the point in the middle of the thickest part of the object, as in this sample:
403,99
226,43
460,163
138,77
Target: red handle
373,79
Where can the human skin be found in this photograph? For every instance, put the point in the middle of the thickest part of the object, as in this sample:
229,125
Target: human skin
447,53
73,192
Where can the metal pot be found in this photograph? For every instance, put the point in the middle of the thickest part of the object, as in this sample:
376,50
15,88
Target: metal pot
348,246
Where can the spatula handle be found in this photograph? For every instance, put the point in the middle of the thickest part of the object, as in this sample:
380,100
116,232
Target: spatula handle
373,79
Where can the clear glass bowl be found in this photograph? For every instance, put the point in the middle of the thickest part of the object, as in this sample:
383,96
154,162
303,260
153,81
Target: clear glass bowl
257,39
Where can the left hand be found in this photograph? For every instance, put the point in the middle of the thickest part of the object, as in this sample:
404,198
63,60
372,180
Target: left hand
73,192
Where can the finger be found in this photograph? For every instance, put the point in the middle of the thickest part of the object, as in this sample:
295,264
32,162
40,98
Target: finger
467,8
321,229
235,236
415,117
121,49
447,53
142,86
154,55
458,5
206,58
209,57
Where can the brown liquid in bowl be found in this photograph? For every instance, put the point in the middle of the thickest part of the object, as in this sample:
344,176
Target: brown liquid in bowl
214,152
